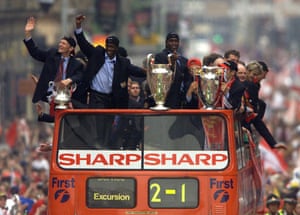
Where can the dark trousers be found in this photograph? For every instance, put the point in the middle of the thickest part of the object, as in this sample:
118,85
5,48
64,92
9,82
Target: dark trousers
262,109
262,129
103,123
100,100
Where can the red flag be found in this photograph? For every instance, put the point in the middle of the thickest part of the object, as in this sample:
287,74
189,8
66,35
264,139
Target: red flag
272,160
11,134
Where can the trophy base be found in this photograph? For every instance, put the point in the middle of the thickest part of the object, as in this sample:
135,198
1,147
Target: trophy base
209,107
159,107
61,107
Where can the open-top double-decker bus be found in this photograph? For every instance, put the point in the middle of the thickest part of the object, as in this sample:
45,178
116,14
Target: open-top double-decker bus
179,162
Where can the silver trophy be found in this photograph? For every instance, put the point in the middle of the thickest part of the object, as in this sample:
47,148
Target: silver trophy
159,78
61,96
209,85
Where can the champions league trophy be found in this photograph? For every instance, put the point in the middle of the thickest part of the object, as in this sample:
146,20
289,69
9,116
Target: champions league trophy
159,78
61,96
209,85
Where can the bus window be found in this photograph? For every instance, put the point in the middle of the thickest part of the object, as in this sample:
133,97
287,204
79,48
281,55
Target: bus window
79,132
169,132
239,143
143,134
185,132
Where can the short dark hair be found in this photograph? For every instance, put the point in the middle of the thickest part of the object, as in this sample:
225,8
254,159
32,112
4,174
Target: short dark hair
70,40
233,52
264,66
172,35
112,40
210,59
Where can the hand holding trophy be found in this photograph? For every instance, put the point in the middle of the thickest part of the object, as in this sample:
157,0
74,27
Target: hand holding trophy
61,95
159,78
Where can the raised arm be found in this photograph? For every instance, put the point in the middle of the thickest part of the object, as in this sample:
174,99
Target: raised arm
84,45
29,27
33,50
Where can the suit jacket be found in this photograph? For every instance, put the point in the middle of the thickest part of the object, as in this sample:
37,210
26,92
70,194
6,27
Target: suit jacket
257,104
51,59
194,102
45,118
122,70
236,92
252,90
176,95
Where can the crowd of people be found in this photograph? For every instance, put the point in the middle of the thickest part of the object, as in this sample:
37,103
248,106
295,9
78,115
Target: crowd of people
106,78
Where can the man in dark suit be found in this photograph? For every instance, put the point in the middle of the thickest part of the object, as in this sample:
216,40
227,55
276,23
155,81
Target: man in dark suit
232,89
56,61
175,96
106,71
252,109
107,74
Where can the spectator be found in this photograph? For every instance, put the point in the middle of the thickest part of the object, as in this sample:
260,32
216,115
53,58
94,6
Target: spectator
273,204
297,209
3,208
40,205
289,205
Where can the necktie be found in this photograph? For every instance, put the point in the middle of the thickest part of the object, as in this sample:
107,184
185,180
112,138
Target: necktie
59,75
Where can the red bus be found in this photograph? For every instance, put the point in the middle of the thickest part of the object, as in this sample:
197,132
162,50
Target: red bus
180,162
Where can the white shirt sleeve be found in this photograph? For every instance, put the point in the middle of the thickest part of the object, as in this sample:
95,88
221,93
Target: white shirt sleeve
78,30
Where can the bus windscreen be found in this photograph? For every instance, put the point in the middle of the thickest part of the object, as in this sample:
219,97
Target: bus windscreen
191,141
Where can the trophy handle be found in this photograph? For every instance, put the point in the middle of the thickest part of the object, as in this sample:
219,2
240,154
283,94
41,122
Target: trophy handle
73,87
51,84
150,60
170,65
52,89
170,59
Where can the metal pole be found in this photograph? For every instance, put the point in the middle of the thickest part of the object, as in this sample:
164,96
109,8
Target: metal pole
163,18
64,17
123,21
